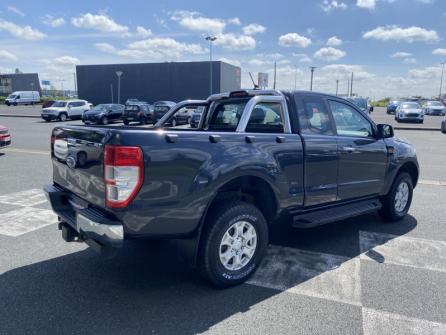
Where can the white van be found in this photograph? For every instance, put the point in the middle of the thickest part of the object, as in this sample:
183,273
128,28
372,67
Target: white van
23,98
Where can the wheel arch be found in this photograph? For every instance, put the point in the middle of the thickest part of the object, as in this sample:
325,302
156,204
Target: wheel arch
412,169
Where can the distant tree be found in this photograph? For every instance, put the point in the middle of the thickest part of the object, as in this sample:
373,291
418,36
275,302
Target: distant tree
17,70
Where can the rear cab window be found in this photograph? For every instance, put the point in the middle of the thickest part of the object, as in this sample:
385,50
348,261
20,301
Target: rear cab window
266,117
226,114
314,117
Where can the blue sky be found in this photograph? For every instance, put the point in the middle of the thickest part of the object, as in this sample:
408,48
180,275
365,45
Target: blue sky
394,47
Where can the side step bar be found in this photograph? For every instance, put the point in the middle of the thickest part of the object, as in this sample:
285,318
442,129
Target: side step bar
338,213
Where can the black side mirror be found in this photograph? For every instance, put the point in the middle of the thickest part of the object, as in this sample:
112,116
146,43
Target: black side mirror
371,108
385,131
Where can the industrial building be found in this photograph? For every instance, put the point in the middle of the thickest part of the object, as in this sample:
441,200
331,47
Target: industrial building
174,81
19,82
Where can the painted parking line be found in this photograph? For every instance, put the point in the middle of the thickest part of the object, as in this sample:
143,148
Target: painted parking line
24,220
383,323
432,182
27,151
402,250
24,198
320,275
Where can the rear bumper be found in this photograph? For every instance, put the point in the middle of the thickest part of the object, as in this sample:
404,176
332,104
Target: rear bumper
91,224
49,117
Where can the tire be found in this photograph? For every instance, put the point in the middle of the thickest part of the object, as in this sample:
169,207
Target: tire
189,119
104,120
125,122
174,122
390,211
8,103
222,222
15,103
421,121
142,120
63,117
443,127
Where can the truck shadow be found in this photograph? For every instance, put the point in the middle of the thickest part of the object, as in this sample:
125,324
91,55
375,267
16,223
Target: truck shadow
148,289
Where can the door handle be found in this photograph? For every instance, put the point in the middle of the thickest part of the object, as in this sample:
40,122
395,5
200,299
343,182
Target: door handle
348,150
280,139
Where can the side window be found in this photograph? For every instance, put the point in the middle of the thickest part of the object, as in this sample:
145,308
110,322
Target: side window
226,115
349,121
71,104
314,118
266,117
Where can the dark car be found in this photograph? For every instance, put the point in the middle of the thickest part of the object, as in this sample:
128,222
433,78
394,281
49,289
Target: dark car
160,108
196,117
138,112
259,157
103,114
362,103
392,106
5,137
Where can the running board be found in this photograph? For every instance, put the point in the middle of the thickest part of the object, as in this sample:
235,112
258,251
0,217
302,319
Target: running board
338,213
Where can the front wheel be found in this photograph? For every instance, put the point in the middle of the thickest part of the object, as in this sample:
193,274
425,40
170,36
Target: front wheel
126,122
174,122
233,243
104,120
63,117
397,202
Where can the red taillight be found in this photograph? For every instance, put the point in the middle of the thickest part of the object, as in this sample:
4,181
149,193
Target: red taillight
123,174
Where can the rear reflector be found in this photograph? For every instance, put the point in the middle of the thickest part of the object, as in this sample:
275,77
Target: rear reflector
123,174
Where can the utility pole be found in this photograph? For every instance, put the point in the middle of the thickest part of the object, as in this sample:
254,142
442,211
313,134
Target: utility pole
441,80
348,87
32,91
275,73
210,39
75,83
311,78
351,86
295,78
111,91
119,74
337,85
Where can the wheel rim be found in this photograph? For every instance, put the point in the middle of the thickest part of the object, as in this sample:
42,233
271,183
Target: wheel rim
174,123
63,117
401,197
238,245
104,120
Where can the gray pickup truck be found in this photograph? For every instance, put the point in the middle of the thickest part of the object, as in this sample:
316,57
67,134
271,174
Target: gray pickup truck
255,156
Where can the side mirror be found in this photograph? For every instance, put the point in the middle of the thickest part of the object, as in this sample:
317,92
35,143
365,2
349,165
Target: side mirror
371,108
385,131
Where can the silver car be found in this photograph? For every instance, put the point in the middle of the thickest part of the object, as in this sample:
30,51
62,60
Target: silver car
434,108
409,111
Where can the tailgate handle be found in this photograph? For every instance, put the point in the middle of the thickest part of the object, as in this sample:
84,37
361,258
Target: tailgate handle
171,138
214,138
280,139
250,139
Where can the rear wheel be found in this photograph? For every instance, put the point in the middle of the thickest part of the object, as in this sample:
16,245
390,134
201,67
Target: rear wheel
126,122
63,117
233,243
443,127
174,122
397,202
104,120
142,120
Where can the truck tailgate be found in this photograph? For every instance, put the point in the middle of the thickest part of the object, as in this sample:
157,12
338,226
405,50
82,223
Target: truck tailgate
77,157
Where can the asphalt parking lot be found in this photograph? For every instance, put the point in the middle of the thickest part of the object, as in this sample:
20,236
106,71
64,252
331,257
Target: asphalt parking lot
358,276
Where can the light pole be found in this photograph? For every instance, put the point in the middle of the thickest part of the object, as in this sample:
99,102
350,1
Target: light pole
441,80
210,39
295,77
337,85
32,91
75,83
351,86
311,79
119,74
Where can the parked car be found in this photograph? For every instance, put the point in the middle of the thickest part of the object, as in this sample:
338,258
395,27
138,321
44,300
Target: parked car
23,98
216,189
138,112
48,103
196,117
161,108
103,114
362,103
132,101
443,125
409,111
434,108
392,106
5,137
66,109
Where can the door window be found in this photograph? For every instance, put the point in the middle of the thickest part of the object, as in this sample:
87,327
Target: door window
266,117
314,117
349,121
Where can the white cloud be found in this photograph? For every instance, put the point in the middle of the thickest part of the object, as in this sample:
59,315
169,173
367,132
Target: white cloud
409,60
143,32
257,62
235,21
334,41
339,71
302,58
329,5
367,4
425,73
294,40
6,55
15,10
54,22
439,52
66,61
253,28
329,54
100,22
401,54
194,21
396,33
235,42
23,32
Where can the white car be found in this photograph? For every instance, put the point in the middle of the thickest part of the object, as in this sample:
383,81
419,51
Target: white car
434,108
409,111
23,98
63,109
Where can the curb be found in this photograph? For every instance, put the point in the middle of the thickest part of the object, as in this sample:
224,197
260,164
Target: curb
413,128
20,115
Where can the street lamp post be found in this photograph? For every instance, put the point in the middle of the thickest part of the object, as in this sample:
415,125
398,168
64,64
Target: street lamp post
119,74
32,91
441,80
311,79
337,85
75,83
210,39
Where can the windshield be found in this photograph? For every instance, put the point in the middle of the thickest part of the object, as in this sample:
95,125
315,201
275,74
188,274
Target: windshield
361,103
435,103
101,107
59,104
410,105
12,96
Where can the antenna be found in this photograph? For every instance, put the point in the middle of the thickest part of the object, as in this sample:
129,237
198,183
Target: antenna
253,82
